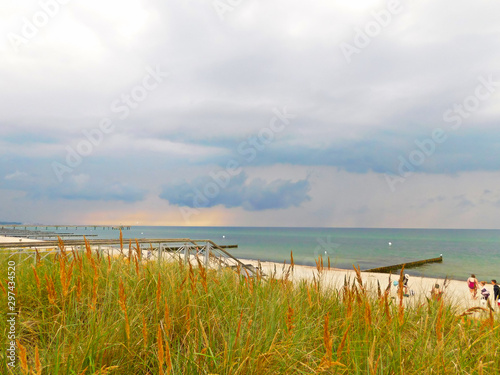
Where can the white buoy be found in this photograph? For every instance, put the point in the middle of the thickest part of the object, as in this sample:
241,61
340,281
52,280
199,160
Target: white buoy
390,243
223,236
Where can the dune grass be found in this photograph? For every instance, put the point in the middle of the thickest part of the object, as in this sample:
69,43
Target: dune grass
80,313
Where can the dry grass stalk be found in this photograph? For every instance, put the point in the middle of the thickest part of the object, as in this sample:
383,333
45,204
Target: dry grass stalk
129,251
106,370
78,289
65,275
309,300
358,277
326,361
187,318
94,294
138,250
480,368
158,294
88,250
37,257
38,364
203,274
328,262
368,314
136,264
289,320
192,278
344,338
373,367
249,282
238,331
144,332
167,319
292,264
387,312
439,323
159,342
123,305
3,288
319,264
51,291
472,310
37,280
168,358
491,320
401,308
122,296
327,340
62,273
23,358
60,244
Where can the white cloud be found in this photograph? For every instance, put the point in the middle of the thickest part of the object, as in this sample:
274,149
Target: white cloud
15,175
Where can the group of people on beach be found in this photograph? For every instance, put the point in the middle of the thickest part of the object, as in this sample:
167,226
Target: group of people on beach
474,286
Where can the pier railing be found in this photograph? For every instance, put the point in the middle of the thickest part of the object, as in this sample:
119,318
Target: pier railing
206,251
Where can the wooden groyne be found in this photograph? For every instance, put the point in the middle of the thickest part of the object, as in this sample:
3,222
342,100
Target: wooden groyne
389,269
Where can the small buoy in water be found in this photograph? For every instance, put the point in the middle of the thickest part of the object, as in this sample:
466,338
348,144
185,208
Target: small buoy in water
325,251
390,243
142,232
223,236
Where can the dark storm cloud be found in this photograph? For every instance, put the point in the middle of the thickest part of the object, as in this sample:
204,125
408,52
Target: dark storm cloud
253,195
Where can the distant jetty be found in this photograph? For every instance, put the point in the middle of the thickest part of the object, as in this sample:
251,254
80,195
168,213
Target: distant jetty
389,269
62,226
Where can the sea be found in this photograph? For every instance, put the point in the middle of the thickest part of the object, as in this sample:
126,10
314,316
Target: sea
464,251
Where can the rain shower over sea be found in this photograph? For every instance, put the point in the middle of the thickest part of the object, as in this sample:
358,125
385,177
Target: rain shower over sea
465,251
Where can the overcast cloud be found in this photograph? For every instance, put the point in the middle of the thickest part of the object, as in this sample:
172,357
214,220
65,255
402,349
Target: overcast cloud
327,113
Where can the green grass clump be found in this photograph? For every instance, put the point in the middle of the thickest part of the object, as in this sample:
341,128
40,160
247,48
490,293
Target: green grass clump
84,314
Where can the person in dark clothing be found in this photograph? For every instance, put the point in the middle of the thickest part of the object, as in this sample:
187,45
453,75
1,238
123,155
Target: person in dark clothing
496,292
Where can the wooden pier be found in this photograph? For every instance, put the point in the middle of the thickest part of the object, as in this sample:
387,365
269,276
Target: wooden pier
59,226
153,249
389,269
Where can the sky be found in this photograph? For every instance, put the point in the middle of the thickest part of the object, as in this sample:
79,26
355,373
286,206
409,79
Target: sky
251,113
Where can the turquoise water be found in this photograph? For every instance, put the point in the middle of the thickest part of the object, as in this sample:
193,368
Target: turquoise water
464,251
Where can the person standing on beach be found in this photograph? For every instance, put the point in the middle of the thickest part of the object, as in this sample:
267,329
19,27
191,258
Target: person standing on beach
496,292
484,292
405,283
472,283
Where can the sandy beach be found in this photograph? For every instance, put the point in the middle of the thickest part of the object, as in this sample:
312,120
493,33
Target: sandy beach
455,292
5,239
